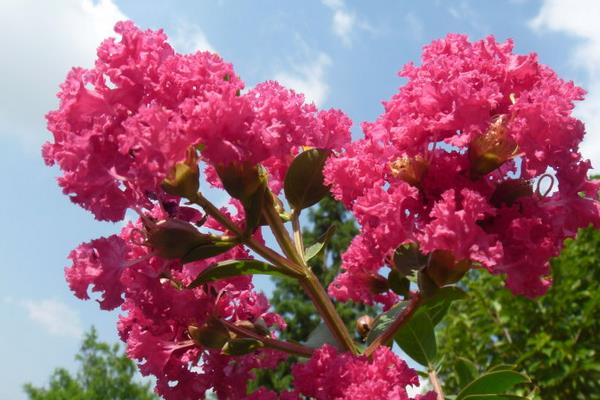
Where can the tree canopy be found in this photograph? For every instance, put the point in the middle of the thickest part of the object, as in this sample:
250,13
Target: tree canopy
555,339
104,373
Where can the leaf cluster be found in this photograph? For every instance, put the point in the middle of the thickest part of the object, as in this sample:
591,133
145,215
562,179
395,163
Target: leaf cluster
554,339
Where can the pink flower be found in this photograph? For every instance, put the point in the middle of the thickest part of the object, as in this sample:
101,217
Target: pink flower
459,161
100,264
329,375
122,125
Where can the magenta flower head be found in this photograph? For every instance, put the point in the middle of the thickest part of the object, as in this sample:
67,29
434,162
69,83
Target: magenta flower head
122,126
475,162
138,132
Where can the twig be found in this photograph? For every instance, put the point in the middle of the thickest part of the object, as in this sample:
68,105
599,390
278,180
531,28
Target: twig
288,347
435,382
386,335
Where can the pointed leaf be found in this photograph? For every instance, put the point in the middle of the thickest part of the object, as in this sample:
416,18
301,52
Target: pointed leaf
384,320
230,268
417,339
495,382
207,250
494,397
303,183
321,335
398,283
439,303
502,367
466,371
253,207
241,346
316,248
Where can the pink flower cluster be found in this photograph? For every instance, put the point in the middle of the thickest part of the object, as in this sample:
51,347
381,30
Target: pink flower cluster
331,375
475,159
158,312
477,155
119,130
122,125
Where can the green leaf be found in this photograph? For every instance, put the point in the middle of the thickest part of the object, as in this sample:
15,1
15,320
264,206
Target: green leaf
230,268
426,285
303,183
494,382
398,283
502,367
439,303
321,335
241,346
316,248
408,258
466,371
494,397
417,338
253,206
384,320
207,250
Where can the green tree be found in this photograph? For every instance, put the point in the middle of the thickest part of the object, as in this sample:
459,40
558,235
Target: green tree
104,373
554,339
288,298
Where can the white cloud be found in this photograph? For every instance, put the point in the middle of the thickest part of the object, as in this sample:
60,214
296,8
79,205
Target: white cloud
308,78
465,12
344,21
189,38
579,19
54,316
40,42
415,26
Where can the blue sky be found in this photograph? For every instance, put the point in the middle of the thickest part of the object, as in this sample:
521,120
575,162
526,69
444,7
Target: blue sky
341,54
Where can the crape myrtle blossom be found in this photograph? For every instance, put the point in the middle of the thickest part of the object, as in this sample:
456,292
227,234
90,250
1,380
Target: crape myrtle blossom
120,131
332,375
122,125
473,164
158,313
477,155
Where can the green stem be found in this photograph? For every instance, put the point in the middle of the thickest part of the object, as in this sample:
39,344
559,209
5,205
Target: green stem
325,307
308,280
298,240
287,347
435,382
279,231
249,241
389,333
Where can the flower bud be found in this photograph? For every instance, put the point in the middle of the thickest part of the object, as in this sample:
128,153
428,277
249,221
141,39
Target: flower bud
509,191
212,335
184,178
258,327
174,238
378,284
364,325
444,269
489,151
241,181
410,170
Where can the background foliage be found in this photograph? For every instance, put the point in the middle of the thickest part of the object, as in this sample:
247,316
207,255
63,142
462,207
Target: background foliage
554,339
104,373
